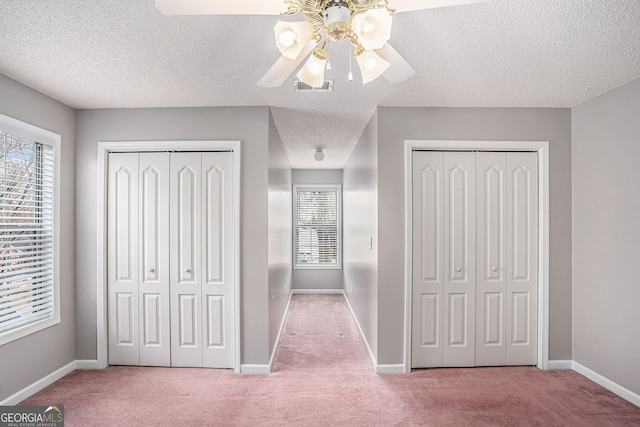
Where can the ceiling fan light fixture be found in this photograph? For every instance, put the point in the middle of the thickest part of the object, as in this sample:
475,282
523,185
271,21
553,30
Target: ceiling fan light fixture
313,71
291,37
373,28
371,64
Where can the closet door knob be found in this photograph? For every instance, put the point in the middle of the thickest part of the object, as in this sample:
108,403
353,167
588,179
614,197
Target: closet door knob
151,270
187,270
494,268
458,269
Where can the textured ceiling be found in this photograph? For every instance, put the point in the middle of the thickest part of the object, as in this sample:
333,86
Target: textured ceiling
506,53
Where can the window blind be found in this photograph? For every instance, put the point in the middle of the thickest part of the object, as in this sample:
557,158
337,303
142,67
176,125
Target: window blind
26,231
317,230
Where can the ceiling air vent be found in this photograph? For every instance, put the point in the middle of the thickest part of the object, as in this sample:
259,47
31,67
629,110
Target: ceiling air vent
327,86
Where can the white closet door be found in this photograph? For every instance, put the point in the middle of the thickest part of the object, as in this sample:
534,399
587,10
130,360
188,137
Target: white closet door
217,260
123,276
522,259
475,258
186,259
491,280
202,260
428,259
154,260
459,260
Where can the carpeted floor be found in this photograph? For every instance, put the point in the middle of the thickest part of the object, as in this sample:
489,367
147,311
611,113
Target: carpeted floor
322,377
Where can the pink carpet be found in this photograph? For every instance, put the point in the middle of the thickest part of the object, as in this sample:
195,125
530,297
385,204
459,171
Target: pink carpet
322,377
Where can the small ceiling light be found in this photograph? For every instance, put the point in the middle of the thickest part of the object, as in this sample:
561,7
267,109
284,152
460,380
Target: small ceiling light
319,155
371,64
372,27
313,71
291,37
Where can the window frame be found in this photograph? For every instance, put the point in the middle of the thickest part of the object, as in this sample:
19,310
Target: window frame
36,134
317,187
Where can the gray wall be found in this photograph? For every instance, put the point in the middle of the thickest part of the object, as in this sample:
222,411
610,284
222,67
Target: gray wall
397,124
24,361
250,125
360,207
280,243
606,235
308,278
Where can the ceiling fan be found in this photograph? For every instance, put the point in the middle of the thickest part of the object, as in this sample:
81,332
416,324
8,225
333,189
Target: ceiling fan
365,23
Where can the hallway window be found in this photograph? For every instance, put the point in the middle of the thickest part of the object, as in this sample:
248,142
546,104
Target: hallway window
317,234
28,288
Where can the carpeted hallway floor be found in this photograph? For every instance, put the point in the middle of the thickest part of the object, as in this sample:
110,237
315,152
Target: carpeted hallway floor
322,377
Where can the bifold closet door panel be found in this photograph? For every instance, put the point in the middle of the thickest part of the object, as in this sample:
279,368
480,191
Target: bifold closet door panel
459,298
491,280
217,260
186,259
155,331
123,270
522,259
428,259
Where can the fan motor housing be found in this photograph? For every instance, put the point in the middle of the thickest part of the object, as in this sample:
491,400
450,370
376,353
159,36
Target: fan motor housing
337,19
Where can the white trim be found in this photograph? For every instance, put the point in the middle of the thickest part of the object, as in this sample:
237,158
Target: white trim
542,148
42,383
390,369
255,369
612,386
101,256
277,343
317,291
87,364
560,364
372,357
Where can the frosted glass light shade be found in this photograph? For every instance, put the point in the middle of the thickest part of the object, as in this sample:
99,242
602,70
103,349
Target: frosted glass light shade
371,65
372,27
292,37
313,71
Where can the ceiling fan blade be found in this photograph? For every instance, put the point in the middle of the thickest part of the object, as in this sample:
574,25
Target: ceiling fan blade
283,67
400,70
408,5
219,7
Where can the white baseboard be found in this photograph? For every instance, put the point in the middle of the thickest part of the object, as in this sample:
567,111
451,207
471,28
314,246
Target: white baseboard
275,347
607,383
255,369
42,383
560,364
372,357
87,364
390,369
317,291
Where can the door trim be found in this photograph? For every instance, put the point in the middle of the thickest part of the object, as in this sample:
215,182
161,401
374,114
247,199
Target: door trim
542,148
106,147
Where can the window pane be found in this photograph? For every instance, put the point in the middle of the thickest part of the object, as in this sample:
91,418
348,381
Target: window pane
317,228
26,232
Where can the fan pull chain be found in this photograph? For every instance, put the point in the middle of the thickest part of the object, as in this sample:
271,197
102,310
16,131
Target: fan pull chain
350,75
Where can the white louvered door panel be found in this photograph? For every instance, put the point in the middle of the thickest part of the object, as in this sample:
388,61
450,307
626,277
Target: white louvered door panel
459,260
491,285
186,259
522,259
122,283
217,260
428,245
153,259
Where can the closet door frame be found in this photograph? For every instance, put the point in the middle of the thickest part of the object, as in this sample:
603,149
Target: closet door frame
542,150
106,147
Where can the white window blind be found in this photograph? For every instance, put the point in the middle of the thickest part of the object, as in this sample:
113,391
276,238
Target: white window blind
317,228
26,232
